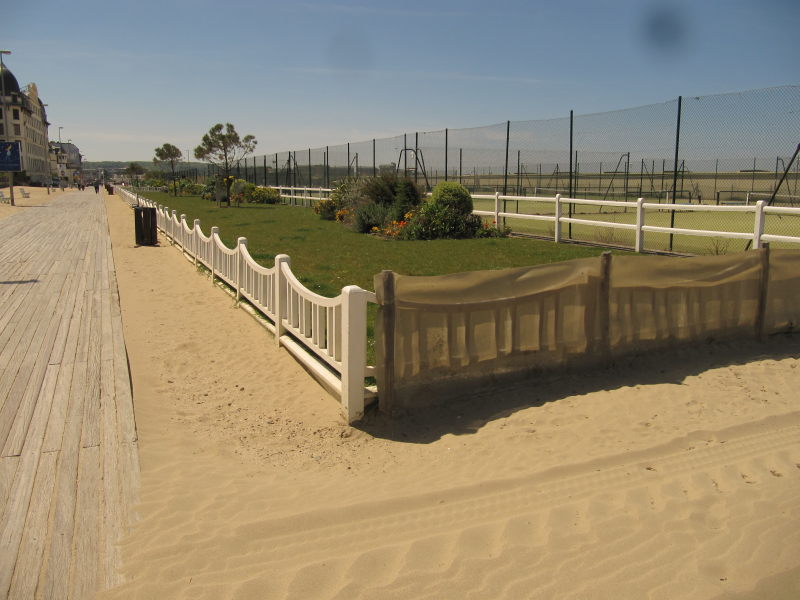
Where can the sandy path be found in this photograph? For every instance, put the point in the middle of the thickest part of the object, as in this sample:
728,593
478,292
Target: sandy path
665,477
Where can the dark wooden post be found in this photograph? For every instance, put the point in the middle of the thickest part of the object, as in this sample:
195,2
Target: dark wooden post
763,288
385,291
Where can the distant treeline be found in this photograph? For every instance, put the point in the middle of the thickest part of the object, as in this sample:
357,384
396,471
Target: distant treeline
146,164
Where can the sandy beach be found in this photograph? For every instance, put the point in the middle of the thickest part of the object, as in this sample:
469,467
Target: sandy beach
668,476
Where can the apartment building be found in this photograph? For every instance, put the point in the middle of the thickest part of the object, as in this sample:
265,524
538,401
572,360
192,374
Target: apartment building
23,119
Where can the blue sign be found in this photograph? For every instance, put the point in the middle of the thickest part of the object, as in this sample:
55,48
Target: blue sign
10,156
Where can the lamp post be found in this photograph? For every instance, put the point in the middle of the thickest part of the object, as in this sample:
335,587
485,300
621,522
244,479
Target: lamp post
5,121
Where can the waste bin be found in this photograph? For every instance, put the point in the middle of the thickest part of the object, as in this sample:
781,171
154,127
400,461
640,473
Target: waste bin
145,226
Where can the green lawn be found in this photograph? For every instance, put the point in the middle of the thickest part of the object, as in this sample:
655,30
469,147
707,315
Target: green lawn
327,256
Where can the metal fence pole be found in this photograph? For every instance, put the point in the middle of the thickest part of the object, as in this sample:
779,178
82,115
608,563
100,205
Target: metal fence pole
675,169
374,165
348,159
505,171
570,152
445,152
416,154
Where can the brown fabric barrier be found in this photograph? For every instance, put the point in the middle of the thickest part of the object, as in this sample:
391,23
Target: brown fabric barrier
444,336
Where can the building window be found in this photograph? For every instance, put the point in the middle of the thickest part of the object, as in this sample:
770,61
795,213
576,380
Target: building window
16,129
16,114
2,129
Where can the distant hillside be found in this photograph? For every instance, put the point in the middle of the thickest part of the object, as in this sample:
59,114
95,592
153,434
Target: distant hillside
146,164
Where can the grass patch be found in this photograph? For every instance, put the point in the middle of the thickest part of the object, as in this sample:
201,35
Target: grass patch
327,256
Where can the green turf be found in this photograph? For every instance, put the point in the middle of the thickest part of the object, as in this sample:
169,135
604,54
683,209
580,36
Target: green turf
327,256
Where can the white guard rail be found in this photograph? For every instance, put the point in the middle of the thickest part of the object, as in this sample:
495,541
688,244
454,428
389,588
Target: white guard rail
327,335
759,210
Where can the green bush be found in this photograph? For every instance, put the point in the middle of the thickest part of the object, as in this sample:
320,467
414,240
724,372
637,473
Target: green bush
326,209
242,191
453,195
408,197
265,195
192,189
441,221
381,189
368,216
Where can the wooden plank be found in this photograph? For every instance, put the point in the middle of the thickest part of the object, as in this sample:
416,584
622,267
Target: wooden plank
56,566
8,469
16,509
122,385
38,425
68,306
58,411
114,512
33,391
27,352
84,577
29,556
91,407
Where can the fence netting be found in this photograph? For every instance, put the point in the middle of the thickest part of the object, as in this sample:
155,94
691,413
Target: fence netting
724,149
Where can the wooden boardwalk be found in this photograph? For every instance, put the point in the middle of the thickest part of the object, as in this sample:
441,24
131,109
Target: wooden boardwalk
68,454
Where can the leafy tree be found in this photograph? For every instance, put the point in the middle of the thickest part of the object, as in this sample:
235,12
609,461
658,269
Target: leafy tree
223,147
171,155
134,170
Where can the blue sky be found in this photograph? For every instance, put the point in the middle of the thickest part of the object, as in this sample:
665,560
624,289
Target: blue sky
124,77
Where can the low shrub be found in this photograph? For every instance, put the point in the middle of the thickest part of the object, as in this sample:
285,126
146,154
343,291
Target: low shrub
265,195
453,195
326,209
441,221
241,191
368,216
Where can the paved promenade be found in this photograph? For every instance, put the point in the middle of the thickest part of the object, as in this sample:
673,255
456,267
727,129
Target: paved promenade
68,452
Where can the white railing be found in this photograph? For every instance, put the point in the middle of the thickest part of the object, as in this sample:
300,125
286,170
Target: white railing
327,335
759,210
302,196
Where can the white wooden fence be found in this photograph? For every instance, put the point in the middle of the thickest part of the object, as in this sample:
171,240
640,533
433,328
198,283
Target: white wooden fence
759,210
327,335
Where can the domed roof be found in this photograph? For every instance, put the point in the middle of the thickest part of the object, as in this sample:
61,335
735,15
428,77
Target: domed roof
10,84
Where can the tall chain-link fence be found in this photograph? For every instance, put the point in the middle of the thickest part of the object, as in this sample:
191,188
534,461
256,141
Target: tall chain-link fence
725,149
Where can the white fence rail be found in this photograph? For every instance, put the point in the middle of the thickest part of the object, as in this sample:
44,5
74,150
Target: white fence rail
302,196
759,210
327,335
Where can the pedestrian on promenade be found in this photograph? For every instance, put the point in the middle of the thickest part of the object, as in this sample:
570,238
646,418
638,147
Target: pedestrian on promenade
96,187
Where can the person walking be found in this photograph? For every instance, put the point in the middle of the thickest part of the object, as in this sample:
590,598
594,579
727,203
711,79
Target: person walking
96,187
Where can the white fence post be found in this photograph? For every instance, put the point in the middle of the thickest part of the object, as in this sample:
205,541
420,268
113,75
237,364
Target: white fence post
172,225
214,232
183,233
497,209
639,244
280,295
242,241
196,243
759,225
557,228
354,350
